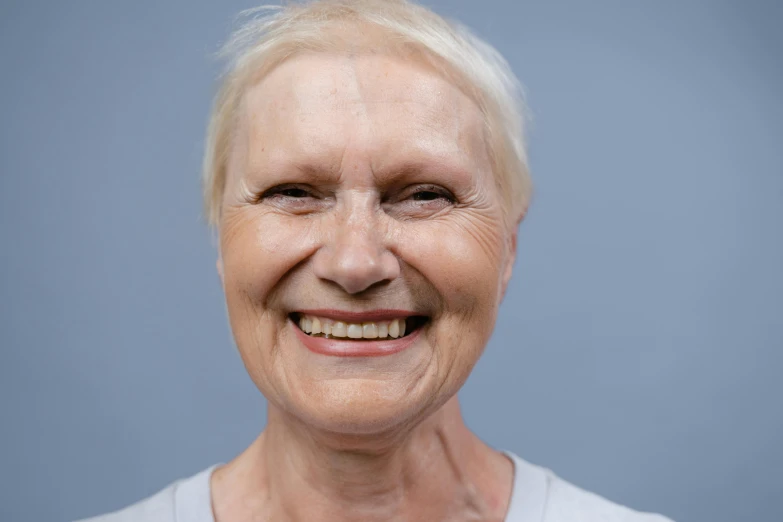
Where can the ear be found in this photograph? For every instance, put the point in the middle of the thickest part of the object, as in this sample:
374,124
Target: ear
508,269
510,258
219,265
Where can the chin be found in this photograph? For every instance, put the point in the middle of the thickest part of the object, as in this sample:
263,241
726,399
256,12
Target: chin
361,407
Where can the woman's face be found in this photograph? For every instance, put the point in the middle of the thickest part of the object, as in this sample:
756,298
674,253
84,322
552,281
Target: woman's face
359,198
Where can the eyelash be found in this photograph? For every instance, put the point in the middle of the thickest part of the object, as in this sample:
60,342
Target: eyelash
434,189
279,191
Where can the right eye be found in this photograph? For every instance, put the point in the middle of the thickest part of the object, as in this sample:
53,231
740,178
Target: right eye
286,192
295,199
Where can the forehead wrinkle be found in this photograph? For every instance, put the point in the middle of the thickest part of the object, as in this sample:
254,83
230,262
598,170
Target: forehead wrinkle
293,106
439,119
371,107
432,135
339,89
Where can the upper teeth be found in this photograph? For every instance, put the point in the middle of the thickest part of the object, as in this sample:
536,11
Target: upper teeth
370,330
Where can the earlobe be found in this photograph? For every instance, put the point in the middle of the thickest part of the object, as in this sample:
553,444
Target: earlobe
219,265
508,270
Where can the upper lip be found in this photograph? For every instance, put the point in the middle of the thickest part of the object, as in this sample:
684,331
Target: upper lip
359,317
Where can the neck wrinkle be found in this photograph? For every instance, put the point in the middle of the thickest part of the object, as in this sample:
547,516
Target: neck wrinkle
427,472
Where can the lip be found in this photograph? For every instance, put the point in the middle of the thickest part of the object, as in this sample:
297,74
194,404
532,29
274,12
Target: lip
350,348
359,317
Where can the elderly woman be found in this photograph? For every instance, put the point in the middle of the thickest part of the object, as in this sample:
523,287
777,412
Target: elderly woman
366,172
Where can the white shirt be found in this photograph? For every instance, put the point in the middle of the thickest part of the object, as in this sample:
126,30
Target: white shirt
538,496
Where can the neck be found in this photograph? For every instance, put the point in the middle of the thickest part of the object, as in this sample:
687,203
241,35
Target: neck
437,470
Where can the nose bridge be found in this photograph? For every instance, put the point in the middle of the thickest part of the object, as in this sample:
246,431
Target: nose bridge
356,221
355,255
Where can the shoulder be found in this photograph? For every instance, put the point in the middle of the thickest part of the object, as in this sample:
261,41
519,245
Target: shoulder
560,501
187,499
157,508
568,502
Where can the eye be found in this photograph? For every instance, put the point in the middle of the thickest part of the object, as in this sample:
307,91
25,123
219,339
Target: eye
419,201
294,198
286,192
427,193
294,192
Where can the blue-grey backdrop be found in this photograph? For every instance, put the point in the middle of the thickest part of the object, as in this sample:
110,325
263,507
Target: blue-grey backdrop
638,353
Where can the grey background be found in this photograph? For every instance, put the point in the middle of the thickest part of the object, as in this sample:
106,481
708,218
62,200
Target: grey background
638,353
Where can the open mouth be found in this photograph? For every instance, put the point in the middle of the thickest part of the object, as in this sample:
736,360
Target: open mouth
388,329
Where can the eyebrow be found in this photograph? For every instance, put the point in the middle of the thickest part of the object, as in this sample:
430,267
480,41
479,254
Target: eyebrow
317,172
396,170
320,173
432,165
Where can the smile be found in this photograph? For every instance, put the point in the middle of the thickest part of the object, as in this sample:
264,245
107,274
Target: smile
357,334
326,327
357,326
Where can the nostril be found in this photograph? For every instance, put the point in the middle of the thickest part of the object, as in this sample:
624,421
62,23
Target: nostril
356,265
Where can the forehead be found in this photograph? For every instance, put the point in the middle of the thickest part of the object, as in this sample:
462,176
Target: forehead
316,105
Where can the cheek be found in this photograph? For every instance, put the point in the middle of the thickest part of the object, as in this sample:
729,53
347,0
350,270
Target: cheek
462,258
462,261
258,248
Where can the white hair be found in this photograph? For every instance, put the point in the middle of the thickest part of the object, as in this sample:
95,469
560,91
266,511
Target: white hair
272,34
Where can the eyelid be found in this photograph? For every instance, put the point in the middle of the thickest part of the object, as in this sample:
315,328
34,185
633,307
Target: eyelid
405,194
277,189
428,187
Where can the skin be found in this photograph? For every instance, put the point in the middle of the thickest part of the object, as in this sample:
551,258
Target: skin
357,183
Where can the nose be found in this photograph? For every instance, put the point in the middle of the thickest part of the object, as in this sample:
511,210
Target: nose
355,256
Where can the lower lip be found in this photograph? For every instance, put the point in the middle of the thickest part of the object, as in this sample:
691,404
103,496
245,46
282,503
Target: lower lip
351,348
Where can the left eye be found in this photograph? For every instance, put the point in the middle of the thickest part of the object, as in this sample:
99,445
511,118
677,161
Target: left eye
426,195
294,192
432,193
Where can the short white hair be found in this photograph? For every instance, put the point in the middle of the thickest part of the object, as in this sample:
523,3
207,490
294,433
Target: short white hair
272,34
